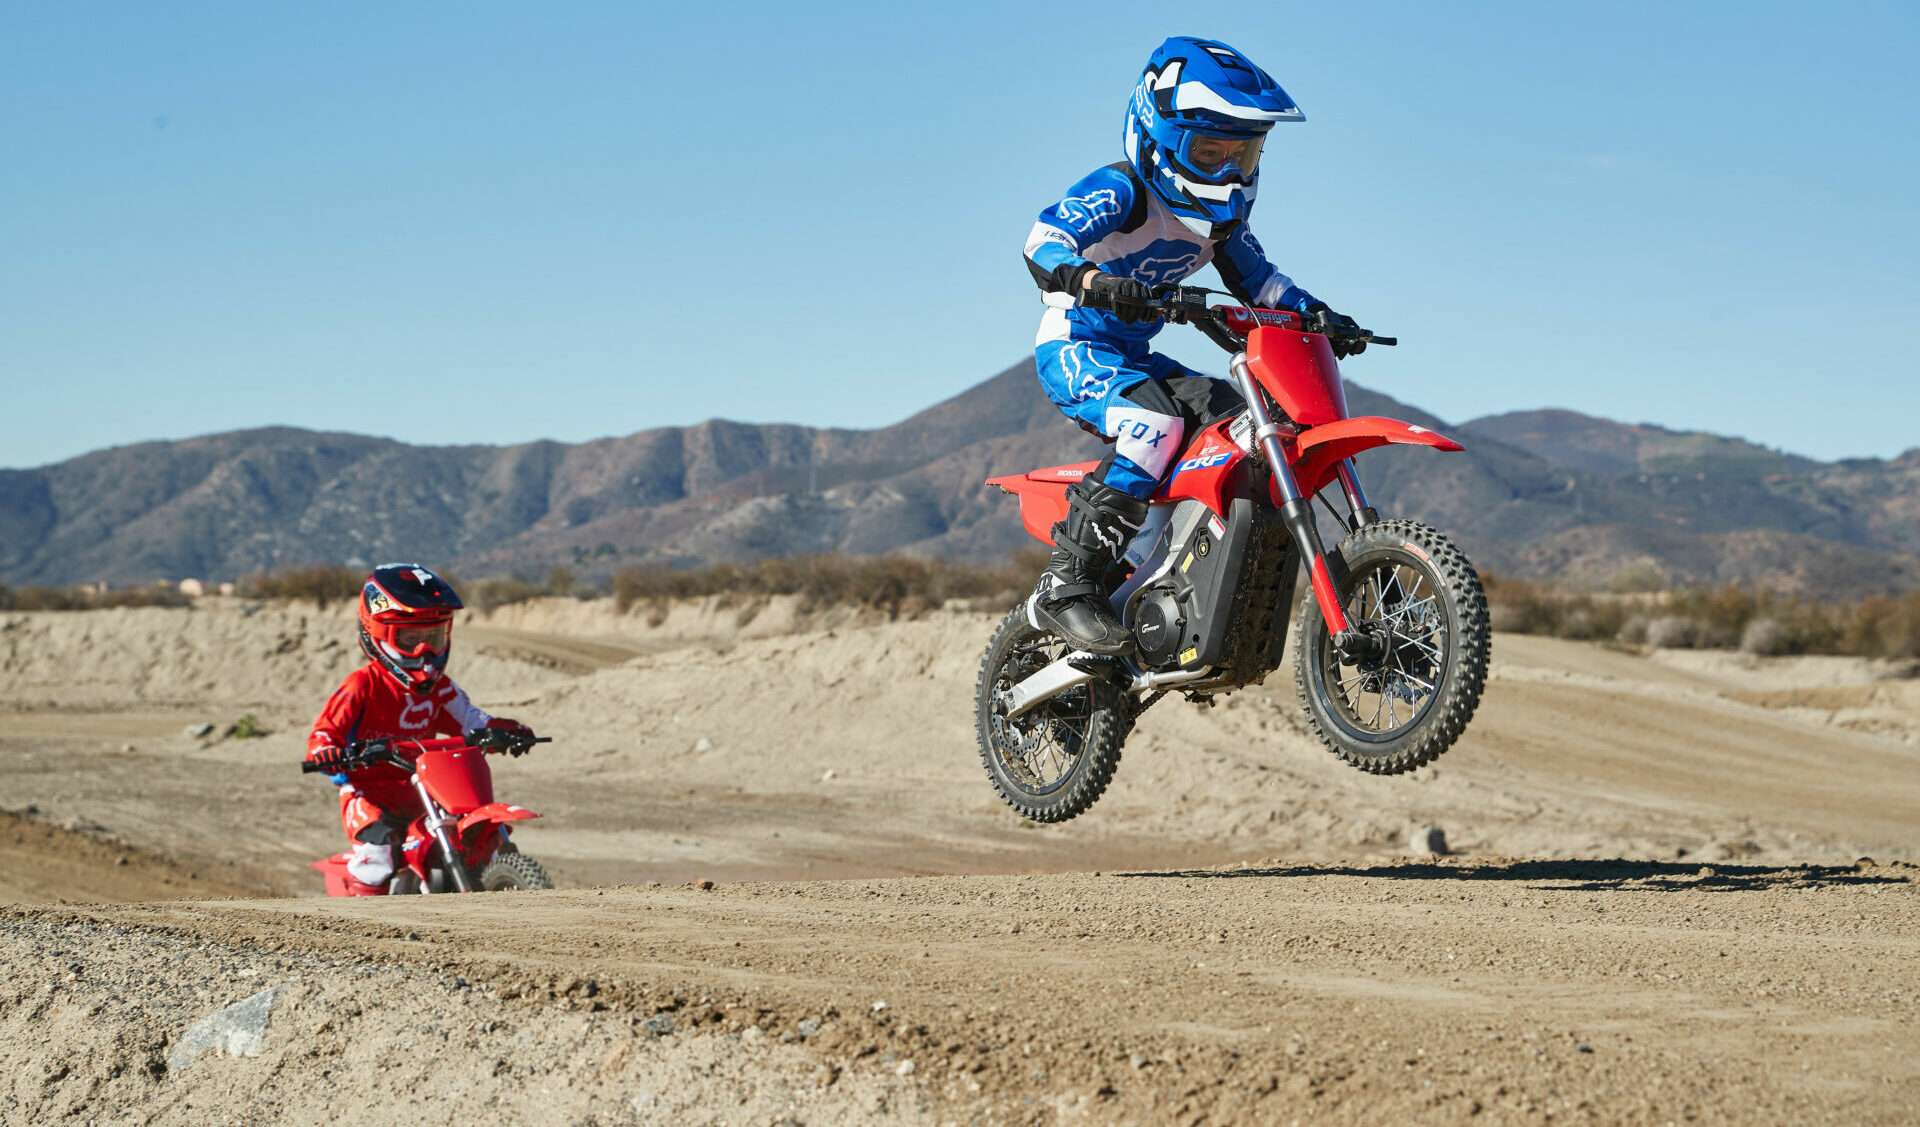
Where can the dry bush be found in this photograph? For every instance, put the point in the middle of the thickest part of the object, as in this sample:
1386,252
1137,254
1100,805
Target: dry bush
898,586
41,598
74,598
1522,607
487,595
1760,622
1643,575
1673,632
158,595
1764,636
323,583
1884,627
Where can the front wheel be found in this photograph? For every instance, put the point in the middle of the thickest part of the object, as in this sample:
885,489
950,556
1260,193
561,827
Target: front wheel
514,871
1413,591
1053,762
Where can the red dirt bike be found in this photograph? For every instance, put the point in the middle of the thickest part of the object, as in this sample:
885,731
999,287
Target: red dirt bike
462,830
1393,640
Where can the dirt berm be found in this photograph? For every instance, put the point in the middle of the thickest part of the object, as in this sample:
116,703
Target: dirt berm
1653,912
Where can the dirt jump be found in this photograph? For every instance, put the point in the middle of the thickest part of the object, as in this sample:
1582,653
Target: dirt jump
1654,888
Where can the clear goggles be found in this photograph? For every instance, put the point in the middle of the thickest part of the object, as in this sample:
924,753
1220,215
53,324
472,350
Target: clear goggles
416,641
1217,158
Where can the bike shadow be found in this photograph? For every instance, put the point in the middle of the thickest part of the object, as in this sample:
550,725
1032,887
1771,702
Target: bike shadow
1579,875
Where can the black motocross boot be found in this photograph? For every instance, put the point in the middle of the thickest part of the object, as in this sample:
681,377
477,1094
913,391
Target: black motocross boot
1070,600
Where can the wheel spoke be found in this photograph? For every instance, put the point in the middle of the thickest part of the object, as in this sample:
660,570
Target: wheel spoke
1400,604
1408,610
1429,649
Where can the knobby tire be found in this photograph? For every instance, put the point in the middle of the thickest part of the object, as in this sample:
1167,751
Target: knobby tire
514,871
1462,669
1100,721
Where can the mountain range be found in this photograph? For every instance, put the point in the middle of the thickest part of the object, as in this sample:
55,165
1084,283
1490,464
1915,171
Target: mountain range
1538,493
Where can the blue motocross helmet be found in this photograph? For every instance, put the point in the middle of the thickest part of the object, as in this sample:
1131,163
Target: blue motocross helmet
1195,127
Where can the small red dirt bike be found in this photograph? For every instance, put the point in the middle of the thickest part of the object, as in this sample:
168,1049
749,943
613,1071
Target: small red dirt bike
1393,640
462,830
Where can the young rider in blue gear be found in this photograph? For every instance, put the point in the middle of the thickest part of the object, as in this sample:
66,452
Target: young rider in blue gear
1180,200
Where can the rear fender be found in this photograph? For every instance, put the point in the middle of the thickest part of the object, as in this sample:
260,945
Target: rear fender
340,882
1043,495
1316,452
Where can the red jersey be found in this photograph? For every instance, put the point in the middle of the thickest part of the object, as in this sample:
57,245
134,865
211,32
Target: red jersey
368,705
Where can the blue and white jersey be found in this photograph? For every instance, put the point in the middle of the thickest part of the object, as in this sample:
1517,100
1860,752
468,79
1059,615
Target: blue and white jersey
1111,220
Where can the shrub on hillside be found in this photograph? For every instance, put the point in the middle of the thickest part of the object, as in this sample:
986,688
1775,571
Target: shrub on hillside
1758,622
76,598
895,585
1673,632
1884,627
322,583
1523,607
489,595
1764,636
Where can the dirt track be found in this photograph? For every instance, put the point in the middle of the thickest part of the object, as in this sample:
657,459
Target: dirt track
1602,992
1740,969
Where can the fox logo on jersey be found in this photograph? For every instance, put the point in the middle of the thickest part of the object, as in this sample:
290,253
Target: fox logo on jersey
416,713
1082,212
1154,271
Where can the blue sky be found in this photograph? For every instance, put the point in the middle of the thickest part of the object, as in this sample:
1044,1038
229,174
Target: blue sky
496,223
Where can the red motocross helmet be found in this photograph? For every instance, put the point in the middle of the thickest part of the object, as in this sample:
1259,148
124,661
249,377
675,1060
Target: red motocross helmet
406,624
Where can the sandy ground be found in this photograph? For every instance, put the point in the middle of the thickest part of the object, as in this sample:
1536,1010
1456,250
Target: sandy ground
1486,992
1687,905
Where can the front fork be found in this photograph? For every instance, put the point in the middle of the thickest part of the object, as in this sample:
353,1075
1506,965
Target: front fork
1297,511
438,822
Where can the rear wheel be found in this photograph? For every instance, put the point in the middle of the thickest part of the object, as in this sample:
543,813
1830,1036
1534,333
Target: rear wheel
514,871
1052,762
1408,586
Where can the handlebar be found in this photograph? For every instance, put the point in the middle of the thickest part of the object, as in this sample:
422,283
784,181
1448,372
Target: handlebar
1228,325
367,753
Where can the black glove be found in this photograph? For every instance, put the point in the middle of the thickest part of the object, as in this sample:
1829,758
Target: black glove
502,734
332,761
1338,328
1127,297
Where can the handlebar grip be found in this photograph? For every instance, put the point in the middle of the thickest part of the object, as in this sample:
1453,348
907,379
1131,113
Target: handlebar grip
309,767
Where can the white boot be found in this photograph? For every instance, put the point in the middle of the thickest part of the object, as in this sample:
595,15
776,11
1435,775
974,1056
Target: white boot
371,864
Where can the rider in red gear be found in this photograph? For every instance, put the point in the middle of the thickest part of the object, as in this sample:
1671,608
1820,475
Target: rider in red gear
402,693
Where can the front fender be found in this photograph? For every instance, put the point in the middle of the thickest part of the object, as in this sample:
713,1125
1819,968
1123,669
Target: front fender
494,812
1317,450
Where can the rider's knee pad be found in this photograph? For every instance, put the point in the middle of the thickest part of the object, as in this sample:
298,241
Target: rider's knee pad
1148,439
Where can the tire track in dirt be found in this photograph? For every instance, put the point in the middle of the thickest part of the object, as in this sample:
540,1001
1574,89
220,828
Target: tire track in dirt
41,862
1587,991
